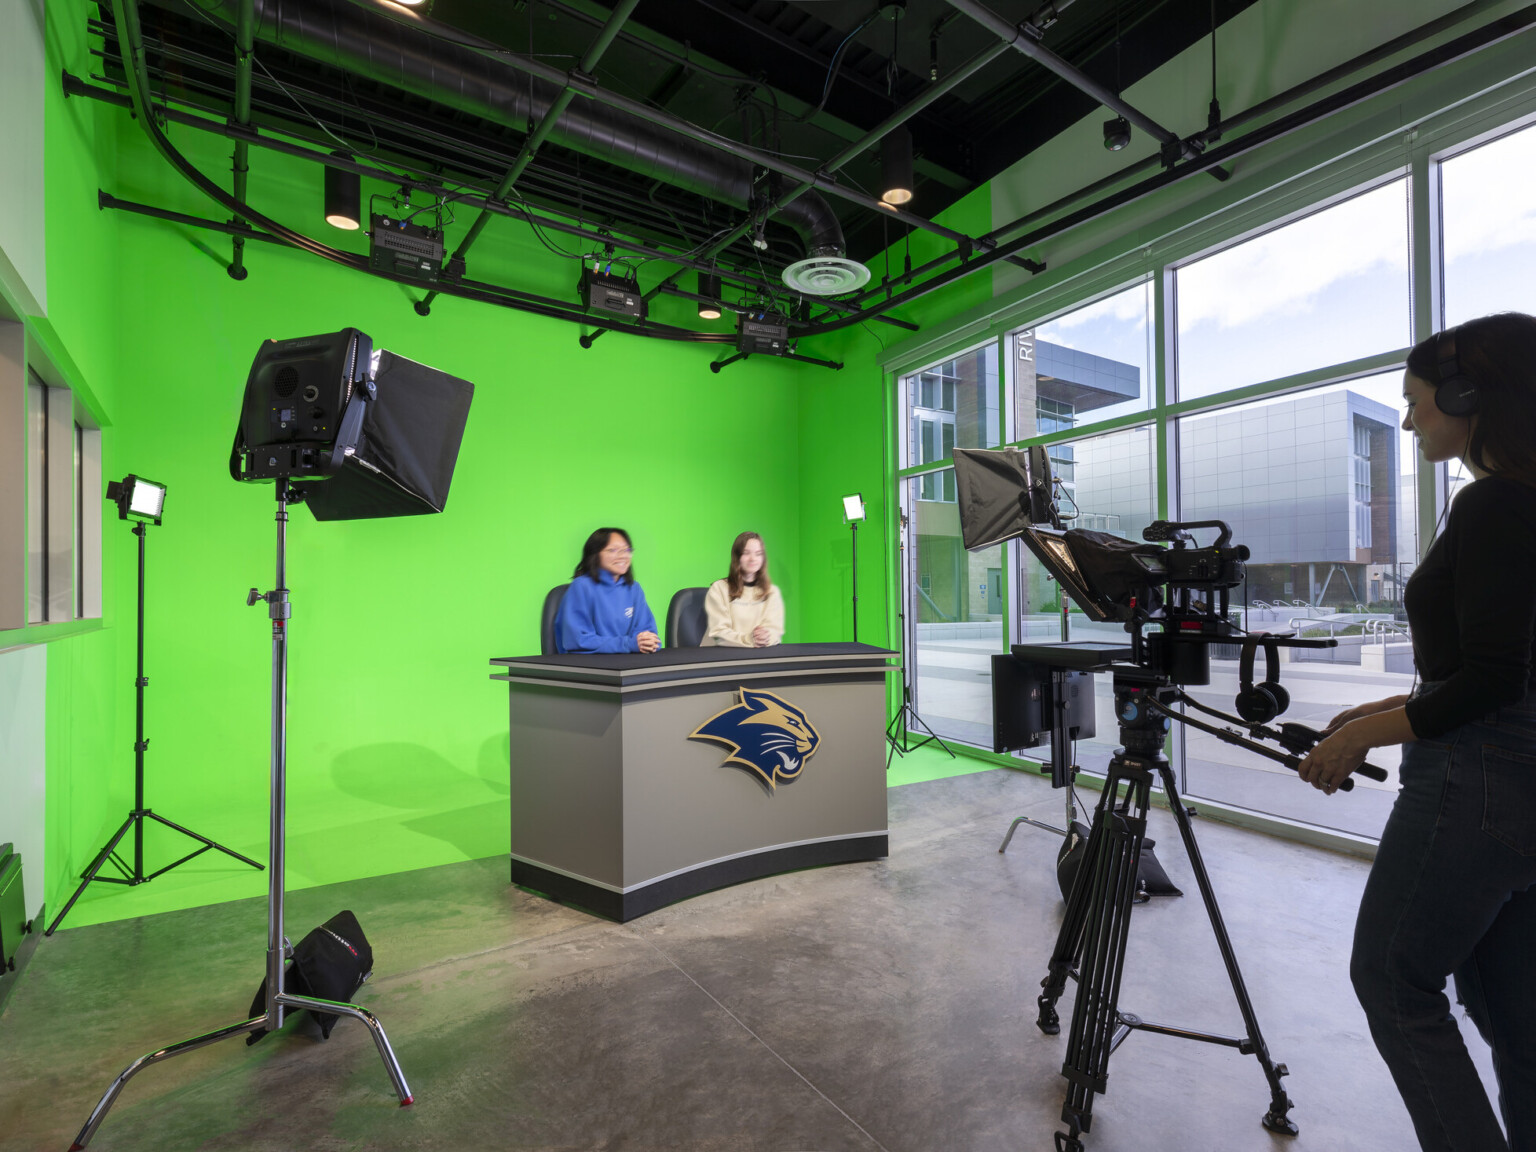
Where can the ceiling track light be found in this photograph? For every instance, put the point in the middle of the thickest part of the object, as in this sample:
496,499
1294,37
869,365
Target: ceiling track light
1117,133
343,197
896,168
709,291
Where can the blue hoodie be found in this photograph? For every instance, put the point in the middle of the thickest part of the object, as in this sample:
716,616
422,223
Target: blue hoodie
602,614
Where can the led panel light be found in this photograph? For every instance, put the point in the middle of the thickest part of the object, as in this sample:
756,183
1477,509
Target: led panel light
137,499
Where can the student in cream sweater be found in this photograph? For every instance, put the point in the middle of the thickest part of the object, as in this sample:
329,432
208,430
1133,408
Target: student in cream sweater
745,610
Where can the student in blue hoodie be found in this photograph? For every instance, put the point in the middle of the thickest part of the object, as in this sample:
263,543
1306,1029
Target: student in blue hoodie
604,610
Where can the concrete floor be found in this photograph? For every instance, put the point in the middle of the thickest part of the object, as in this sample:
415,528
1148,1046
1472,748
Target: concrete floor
872,1006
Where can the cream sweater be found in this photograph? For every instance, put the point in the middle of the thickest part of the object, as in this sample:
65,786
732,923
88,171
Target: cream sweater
731,621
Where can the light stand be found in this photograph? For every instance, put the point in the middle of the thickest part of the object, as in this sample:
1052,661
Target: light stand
898,733
853,513
278,948
143,502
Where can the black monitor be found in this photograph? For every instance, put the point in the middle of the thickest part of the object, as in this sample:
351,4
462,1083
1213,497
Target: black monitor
1024,700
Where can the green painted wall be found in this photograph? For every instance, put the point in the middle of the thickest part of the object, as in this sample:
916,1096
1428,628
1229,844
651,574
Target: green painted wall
398,742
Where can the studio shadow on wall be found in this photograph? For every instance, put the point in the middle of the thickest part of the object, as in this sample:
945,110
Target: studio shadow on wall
465,810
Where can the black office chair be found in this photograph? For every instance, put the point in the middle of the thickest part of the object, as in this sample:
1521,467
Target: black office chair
547,621
686,619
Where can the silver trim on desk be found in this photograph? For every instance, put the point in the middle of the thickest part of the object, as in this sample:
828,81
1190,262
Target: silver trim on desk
701,864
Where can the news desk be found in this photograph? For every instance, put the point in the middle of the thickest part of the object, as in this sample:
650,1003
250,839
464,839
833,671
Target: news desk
621,804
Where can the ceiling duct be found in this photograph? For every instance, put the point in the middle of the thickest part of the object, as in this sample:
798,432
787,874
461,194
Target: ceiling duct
369,44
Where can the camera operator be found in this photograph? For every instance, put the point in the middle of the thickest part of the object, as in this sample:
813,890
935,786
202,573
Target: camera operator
1451,892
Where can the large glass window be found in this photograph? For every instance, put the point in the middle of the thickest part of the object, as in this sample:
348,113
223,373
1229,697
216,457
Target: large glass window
1092,364
1317,480
37,501
1320,486
954,612
949,405
1326,289
1488,228
953,598
1109,484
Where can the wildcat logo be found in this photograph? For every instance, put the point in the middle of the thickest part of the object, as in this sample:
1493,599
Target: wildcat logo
766,734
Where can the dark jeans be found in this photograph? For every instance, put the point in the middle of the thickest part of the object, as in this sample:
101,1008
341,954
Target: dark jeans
1451,893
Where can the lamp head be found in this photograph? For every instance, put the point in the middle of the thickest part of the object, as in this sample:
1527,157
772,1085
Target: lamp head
137,499
343,197
709,288
896,179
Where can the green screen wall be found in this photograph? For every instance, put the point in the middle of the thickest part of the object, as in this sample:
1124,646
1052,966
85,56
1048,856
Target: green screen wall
397,736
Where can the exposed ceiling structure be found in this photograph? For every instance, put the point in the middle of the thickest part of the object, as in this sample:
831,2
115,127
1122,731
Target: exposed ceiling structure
739,136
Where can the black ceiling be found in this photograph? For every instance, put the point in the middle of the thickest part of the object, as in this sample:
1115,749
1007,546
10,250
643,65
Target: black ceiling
756,71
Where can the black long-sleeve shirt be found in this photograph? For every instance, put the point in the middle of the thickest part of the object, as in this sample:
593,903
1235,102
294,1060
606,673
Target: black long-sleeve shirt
1472,608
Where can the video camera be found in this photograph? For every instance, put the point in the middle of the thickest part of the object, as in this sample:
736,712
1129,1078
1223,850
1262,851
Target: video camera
1042,690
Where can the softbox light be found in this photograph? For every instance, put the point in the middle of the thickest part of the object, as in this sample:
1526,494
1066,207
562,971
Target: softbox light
404,462
382,432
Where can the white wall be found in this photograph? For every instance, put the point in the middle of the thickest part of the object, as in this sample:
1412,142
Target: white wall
23,747
21,151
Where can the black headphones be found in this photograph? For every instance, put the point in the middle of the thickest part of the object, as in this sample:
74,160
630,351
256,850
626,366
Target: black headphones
1455,393
1259,704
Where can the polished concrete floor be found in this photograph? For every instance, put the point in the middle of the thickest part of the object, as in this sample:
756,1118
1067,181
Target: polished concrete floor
871,1006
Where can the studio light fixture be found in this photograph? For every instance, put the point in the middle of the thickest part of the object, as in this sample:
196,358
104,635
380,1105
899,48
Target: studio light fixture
896,168
343,197
853,516
137,499
1117,133
709,289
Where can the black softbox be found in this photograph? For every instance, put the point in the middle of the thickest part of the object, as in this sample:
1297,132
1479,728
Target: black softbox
404,462
367,433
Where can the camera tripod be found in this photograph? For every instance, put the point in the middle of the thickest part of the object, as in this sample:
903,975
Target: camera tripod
1092,941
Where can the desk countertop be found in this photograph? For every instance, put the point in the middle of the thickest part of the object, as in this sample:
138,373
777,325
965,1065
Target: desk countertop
689,663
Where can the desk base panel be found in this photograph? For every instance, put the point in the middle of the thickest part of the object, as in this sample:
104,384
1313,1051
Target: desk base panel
625,906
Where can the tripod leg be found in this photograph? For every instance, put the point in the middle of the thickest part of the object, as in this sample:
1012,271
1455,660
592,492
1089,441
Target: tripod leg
380,1041
932,737
99,1113
1069,939
1096,1025
205,841
90,873
1277,1119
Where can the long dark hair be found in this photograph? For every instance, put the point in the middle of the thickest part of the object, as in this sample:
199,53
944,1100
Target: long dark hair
591,554
1497,354
733,580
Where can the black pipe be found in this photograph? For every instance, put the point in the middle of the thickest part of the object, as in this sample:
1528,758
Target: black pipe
589,88
74,86
477,290
1448,53
536,138
483,81
1262,108
1024,38
868,140
240,162
716,365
